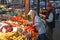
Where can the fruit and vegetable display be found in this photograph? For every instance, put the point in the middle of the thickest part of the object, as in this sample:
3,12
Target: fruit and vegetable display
12,36
13,30
15,26
19,19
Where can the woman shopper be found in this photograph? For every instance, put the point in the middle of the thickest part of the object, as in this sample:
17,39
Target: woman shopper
38,24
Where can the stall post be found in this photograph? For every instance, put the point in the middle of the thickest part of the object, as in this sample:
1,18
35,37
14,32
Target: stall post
38,7
27,6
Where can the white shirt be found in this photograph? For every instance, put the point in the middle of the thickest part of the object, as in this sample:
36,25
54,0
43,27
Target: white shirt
50,18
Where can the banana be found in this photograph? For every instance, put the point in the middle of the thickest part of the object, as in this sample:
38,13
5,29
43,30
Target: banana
12,36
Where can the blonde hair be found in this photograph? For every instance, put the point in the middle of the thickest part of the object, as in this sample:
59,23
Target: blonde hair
32,12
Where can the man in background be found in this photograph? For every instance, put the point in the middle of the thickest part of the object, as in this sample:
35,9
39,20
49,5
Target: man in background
49,17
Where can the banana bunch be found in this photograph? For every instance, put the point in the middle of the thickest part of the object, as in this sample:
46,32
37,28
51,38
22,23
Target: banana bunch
20,37
12,36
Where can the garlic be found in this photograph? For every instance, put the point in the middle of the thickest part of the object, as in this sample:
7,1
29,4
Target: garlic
15,29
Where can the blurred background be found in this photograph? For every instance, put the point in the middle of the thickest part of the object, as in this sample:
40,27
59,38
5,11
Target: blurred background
25,6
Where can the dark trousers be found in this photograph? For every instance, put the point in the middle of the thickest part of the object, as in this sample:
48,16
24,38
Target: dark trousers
49,35
42,37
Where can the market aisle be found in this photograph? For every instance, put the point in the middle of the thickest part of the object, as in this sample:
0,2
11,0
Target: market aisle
56,35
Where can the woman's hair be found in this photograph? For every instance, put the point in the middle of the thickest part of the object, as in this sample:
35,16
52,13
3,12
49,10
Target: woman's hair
32,12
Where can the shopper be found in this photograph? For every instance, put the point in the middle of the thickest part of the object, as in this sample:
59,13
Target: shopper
57,14
9,3
50,20
38,24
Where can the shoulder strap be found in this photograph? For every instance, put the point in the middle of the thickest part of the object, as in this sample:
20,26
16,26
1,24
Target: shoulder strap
47,14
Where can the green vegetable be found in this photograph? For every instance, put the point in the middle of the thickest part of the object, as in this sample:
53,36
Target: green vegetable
29,18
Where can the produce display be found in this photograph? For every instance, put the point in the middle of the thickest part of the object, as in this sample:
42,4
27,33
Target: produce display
12,36
32,30
13,26
19,19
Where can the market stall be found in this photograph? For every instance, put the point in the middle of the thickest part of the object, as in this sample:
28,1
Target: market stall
15,25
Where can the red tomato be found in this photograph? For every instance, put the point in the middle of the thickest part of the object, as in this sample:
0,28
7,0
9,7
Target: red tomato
9,29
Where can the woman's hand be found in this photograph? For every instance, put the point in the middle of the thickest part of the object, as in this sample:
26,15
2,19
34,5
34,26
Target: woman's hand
44,16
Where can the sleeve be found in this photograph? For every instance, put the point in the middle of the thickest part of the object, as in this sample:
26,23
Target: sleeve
50,18
37,21
39,25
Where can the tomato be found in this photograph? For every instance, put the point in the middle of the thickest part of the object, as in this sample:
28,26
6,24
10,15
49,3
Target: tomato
9,29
